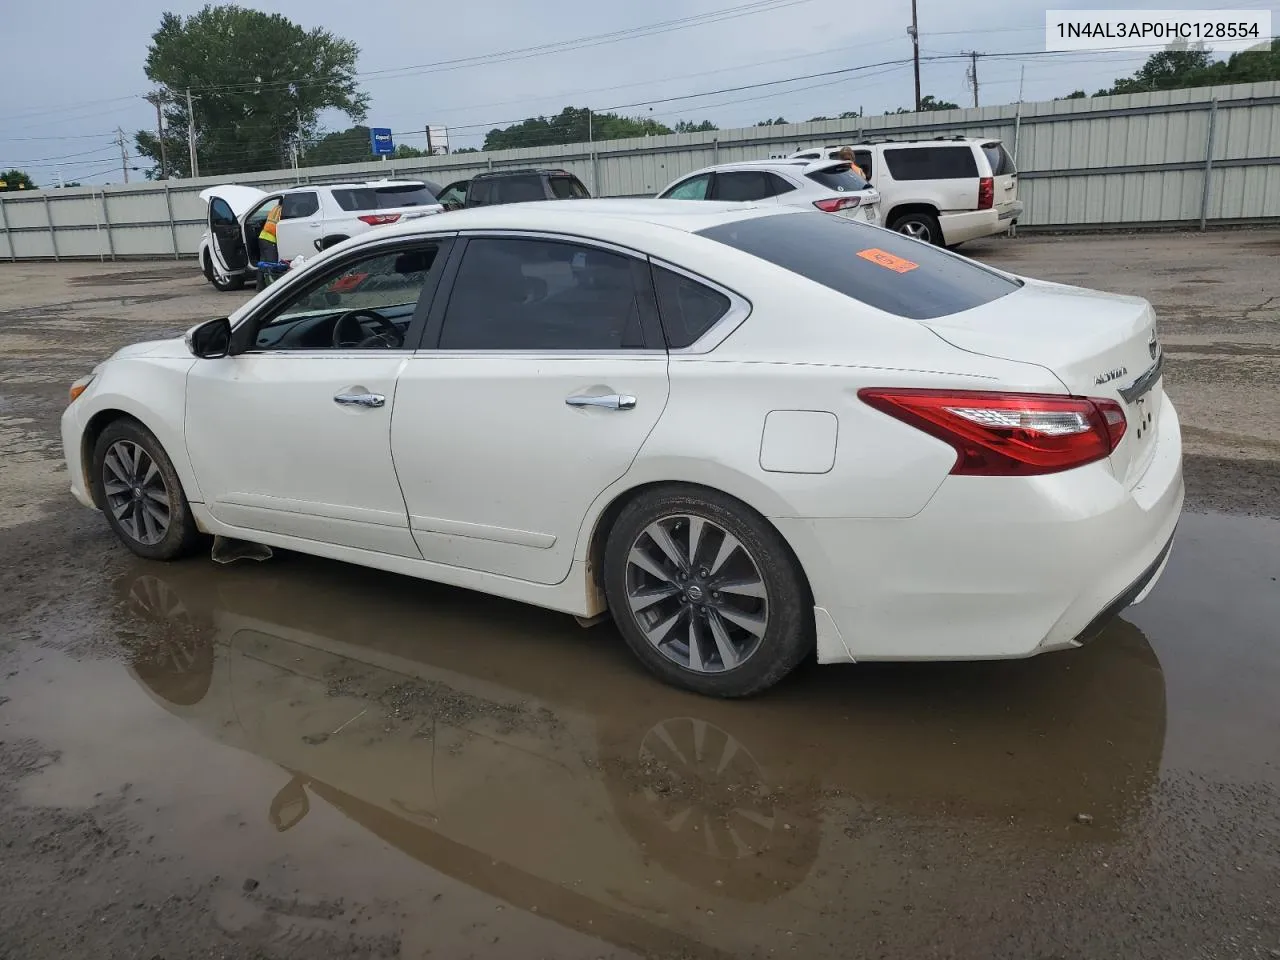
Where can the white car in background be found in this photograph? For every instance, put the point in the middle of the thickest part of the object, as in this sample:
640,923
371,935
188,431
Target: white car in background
749,433
943,190
315,217
826,185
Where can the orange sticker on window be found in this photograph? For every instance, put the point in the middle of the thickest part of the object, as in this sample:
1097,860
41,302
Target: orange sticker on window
888,260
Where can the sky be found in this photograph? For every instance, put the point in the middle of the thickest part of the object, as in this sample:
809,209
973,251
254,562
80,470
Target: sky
72,82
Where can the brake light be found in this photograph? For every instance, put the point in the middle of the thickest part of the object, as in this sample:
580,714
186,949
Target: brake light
986,193
837,203
1008,434
378,219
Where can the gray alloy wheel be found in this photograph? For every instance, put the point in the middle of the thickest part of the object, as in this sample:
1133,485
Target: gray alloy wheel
697,594
136,493
918,226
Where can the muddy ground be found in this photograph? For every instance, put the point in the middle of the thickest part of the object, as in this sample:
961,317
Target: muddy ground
303,759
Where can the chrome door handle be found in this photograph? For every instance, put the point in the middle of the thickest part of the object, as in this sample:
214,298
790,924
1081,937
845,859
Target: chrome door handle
361,399
612,401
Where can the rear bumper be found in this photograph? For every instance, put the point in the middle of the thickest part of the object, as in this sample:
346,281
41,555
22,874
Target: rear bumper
1011,212
993,567
970,225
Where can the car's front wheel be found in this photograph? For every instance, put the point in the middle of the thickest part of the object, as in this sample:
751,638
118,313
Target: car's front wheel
223,284
141,494
706,593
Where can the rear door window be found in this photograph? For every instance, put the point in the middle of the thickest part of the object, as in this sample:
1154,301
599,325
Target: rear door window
568,188
695,188
519,189
863,159
931,163
877,267
743,186
998,157
480,193
841,179
299,205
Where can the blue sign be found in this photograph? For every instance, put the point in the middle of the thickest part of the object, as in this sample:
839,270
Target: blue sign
380,141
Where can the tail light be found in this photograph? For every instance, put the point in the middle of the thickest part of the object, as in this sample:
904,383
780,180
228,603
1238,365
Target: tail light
378,219
837,203
986,193
1008,434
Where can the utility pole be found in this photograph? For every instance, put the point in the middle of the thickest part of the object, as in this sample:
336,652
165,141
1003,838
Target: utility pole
191,134
124,154
157,98
915,50
972,74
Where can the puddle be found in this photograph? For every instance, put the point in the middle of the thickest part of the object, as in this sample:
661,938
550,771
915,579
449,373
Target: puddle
358,738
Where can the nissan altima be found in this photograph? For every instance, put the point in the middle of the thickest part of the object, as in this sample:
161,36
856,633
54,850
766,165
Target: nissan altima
751,435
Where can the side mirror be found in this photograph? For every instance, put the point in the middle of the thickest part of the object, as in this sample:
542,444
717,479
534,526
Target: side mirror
211,339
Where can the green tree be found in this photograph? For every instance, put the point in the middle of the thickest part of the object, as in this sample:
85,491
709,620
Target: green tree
571,125
15,180
771,123
466,150
688,126
1073,95
341,146
261,81
929,103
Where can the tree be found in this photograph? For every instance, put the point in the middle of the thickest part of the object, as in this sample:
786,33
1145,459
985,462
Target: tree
771,123
342,146
688,126
929,103
261,81
571,125
1073,95
466,150
15,180
1180,67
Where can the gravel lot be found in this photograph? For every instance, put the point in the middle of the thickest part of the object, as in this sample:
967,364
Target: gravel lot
302,759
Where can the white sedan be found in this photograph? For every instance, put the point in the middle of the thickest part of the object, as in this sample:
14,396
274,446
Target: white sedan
750,434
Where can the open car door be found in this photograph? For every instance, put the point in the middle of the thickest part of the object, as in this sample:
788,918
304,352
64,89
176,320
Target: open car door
228,205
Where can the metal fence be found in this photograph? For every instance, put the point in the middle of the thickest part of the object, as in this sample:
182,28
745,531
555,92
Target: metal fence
1177,158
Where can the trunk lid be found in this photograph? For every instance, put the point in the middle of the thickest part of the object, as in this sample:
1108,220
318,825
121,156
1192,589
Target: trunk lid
1098,344
1004,173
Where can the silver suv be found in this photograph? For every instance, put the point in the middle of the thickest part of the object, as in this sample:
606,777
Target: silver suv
944,190
827,185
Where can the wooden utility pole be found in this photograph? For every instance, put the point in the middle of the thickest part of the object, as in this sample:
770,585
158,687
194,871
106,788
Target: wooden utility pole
973,74
915,50
124,154
157,98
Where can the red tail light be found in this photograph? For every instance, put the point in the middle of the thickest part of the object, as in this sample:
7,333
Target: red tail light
378,219
837,203
1008,434
986,193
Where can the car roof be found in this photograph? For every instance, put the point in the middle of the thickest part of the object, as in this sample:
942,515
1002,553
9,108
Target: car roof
788,164
573,216
525,171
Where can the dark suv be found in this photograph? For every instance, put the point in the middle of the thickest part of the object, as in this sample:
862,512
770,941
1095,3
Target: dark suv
512,186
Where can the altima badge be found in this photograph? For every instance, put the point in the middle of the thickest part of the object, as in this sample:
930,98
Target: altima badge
1110,375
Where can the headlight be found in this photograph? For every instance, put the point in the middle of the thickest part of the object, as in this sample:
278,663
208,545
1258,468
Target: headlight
80,386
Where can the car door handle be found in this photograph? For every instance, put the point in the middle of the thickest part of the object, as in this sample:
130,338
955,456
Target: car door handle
612,401
361,399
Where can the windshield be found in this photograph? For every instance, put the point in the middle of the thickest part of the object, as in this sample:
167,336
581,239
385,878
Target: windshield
385,198
877,267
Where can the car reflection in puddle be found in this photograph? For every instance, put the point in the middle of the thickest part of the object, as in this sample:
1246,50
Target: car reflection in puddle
508,748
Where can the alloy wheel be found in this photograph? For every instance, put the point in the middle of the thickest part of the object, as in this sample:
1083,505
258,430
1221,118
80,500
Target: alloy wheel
697,594
136,493
915,230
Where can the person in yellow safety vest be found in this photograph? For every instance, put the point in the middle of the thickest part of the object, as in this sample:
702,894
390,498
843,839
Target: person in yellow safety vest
268,249
846,154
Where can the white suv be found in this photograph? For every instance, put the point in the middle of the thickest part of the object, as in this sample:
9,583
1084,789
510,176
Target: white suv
945,190
314,217
830,186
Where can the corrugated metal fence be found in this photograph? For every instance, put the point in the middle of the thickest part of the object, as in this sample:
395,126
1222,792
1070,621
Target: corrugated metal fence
1177,158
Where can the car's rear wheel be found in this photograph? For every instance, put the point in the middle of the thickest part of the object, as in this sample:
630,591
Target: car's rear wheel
141,494
706,593
918,226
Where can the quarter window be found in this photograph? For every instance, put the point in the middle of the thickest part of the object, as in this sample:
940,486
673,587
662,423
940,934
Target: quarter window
367,304
688,308
931,163
524,294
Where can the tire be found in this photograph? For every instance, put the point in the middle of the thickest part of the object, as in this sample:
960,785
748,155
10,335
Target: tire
222,284
918,226
767,636
164,528
206,266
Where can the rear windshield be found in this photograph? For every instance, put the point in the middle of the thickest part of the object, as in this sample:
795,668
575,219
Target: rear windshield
569,188
931,163
998,157
842,179
882,269
384,198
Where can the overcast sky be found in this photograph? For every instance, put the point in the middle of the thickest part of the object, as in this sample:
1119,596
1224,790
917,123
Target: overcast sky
74,75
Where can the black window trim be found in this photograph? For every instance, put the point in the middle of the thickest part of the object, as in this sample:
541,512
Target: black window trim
650,324
718,332
245,326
